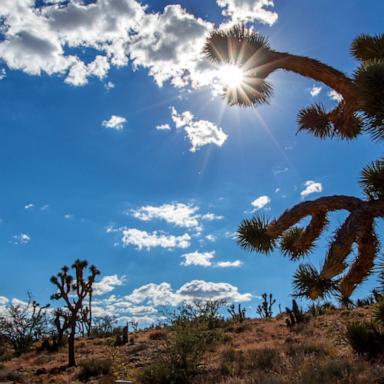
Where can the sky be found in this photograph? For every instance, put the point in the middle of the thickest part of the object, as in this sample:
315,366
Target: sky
115,147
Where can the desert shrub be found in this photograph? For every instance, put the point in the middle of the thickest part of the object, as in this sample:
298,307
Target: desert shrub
155,373
305,349
23,324
238,363
193,330
157,334
296,315
330,371
11,376
91,368
365,338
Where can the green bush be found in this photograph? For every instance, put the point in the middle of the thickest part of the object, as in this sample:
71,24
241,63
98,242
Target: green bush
91,368
366,339
155,373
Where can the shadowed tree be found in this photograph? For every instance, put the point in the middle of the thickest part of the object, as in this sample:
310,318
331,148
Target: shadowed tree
74,291
22,324
360,109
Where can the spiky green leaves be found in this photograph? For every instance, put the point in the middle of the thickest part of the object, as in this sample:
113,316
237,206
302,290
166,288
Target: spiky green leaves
372,180
370,81
236,45
340,122
307,282
291,246
253,236
315,120
366,47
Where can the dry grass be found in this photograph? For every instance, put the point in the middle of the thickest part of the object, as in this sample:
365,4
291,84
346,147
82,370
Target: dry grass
255,351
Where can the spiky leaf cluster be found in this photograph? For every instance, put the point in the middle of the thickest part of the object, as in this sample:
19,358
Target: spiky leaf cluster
370,81
315,120
228,46
366,47
372,180
307,282
290,244
252,235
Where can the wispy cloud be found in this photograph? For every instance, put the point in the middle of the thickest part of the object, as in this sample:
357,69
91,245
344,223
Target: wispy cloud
114,122
22,238
260,202
335,96
147,240
311,187
315,91
179,214
163,127
199,132
205,259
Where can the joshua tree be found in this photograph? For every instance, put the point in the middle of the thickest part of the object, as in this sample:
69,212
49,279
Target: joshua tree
361,109
74,291
265,310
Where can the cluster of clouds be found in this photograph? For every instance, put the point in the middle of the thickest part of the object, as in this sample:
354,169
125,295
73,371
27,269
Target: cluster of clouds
51,38
180,215
205,259
144,304
332,94
310,187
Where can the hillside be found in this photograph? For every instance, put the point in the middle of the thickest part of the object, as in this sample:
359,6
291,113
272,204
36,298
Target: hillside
252,351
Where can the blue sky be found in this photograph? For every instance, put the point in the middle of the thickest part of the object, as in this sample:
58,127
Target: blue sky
139,201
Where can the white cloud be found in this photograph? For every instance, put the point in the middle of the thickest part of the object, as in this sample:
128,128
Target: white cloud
29,206
22,238
182,215
229,264
203,290
3,74
202,259
260,202
211,237
143,304
245,11
115,122
315,91
163,127
311,187
142,239
199,132
68,216
48,38
179,214
109,85
107,284
335,95
205,259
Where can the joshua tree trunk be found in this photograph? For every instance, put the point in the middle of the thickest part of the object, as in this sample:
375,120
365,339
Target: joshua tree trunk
71,347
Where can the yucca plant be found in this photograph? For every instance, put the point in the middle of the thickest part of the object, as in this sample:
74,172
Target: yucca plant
361,108
362,96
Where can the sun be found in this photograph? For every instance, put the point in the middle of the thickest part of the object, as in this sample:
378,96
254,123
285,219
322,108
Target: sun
231,76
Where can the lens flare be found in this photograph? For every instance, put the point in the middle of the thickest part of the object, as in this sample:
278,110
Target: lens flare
231,76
